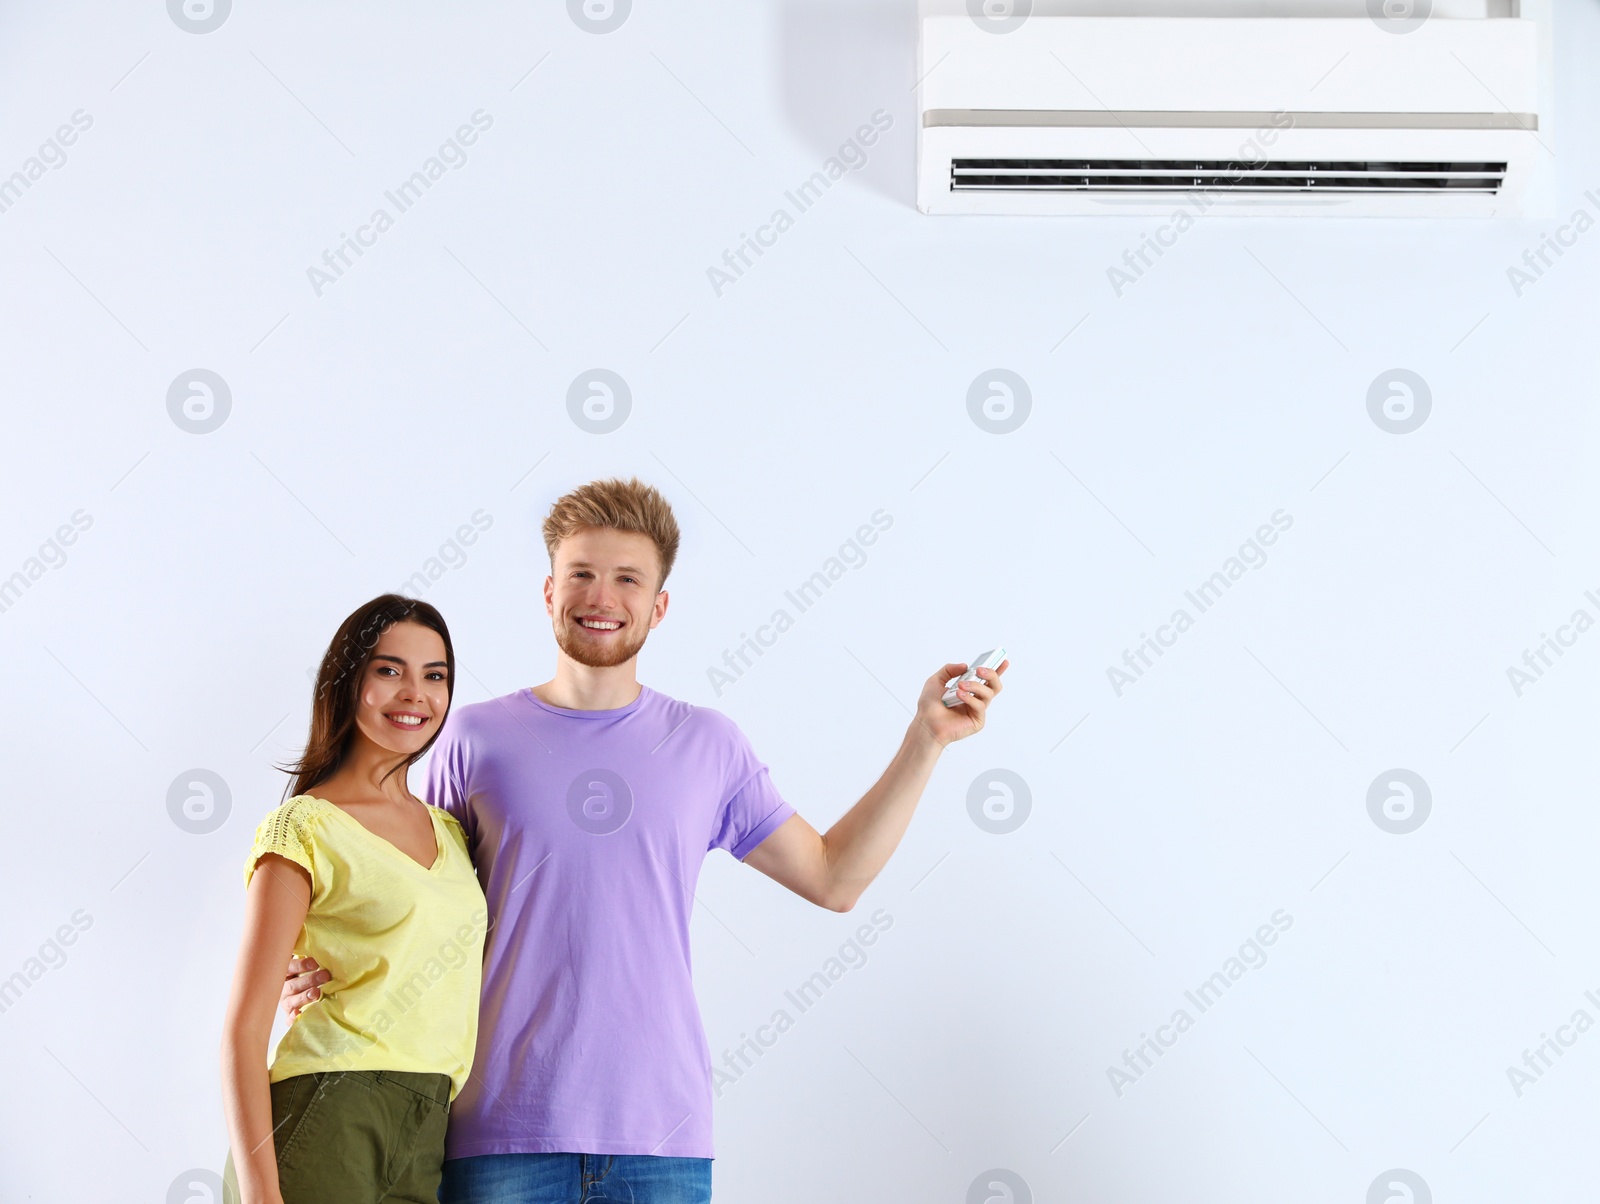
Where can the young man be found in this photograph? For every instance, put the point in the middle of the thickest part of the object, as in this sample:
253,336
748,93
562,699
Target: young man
589,804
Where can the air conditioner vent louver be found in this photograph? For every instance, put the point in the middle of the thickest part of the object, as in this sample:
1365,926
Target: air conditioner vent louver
1187,175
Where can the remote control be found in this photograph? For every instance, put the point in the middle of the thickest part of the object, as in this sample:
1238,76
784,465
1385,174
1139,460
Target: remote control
989,660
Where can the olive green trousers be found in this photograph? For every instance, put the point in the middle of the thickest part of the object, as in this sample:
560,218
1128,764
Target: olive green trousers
357,1137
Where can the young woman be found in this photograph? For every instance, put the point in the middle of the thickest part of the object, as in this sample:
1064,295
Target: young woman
358,873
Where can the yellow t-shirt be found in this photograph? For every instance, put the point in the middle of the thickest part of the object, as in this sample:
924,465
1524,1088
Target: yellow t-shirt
404,945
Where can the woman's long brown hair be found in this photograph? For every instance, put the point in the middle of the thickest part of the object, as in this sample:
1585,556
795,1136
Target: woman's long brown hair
338,689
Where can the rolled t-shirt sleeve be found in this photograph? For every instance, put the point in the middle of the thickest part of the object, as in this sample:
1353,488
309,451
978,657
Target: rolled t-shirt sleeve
754,809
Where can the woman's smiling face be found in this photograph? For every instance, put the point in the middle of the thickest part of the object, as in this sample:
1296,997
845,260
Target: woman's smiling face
405,692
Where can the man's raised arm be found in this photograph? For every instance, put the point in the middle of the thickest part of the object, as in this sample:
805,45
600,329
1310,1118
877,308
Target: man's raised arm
833,869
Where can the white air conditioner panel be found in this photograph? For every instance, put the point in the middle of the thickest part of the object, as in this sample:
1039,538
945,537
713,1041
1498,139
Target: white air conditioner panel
1145,89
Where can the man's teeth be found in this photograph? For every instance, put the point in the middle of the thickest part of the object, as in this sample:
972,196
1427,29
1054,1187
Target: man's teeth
600,624
409,720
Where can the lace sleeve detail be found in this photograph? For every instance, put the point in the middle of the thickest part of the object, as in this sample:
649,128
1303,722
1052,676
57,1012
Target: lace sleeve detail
287,832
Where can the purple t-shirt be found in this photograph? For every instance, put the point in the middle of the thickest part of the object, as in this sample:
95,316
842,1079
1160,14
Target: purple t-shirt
588,829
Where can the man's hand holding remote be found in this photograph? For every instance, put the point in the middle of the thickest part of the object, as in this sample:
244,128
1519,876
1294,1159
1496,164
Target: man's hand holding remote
946,724
833,870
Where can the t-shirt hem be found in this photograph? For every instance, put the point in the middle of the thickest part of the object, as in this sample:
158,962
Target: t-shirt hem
290,1067
593,1145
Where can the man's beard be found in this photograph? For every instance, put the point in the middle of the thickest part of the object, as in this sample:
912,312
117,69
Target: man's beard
599,655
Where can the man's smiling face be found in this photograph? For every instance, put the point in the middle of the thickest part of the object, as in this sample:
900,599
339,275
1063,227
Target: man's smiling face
602,595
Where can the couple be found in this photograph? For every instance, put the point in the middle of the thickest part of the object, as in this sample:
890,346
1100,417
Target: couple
550,884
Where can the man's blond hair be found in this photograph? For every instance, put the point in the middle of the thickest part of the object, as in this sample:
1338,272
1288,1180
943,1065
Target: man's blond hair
616,505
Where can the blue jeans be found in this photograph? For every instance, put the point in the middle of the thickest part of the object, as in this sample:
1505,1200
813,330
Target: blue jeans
576,1179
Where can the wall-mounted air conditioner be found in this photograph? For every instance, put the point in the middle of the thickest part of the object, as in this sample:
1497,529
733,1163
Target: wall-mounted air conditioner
1061,107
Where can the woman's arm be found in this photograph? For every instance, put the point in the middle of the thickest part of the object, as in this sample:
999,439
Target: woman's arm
275,908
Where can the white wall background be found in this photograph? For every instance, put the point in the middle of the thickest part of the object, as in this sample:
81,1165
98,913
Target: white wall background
1165,826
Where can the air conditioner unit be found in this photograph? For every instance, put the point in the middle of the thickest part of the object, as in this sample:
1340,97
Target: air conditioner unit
1259,107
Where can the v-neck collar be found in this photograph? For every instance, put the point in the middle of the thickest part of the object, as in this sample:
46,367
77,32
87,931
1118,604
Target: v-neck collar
433,821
